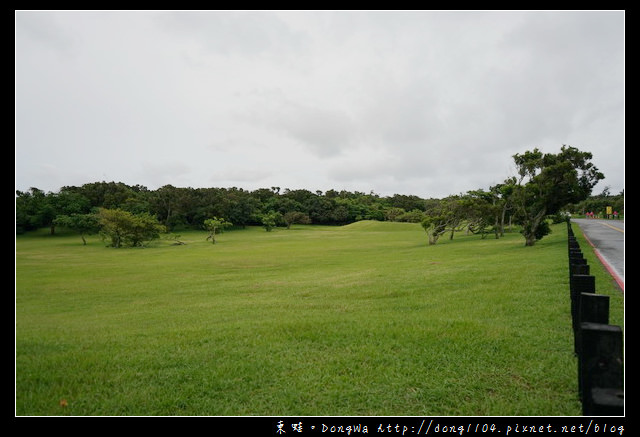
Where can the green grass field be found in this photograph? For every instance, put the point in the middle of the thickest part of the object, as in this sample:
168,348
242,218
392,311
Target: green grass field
360,320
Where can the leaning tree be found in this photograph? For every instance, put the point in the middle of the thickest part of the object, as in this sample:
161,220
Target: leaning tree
547,183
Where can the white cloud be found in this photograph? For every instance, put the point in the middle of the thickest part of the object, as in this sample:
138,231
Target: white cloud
428,103
324,132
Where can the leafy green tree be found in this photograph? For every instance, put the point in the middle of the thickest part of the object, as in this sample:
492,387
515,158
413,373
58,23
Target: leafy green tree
293,217
166,203
413,216
215,226
483,212
434,225
455,210
241,206
82,223
33,210
599,203
547,183
110,195
340,213
448,214
408,203
270,220
393,213
319,209
207,203
67,203
125,228
504,194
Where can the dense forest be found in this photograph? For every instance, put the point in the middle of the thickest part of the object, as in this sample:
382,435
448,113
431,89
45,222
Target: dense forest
179,208
176,207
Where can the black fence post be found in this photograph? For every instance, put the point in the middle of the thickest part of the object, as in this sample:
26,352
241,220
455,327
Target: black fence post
597,344
600,369
594,308
578,269
579,284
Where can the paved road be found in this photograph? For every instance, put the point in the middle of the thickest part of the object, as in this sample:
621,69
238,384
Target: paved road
607,236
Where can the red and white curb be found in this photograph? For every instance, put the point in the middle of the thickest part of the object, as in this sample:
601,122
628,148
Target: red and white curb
605,263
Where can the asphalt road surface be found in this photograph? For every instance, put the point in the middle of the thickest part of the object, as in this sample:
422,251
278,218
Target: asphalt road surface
607,237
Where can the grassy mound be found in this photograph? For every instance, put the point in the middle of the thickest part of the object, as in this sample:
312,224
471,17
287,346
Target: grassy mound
378,226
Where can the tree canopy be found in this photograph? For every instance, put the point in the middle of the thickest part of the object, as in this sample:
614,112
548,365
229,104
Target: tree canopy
186,207
124,228
549,182
544,184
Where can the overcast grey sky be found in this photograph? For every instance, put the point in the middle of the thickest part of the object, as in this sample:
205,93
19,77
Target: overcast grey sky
429,103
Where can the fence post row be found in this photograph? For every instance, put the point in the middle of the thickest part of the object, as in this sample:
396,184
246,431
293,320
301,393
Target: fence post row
597,345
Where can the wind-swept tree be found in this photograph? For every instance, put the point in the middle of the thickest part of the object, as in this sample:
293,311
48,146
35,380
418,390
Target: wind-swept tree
455,209
504,192
547,183
434,225
483,212
447,214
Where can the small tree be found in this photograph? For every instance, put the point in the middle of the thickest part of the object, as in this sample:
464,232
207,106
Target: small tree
434,225
114,223
293,217
270,220
81,223
214,226
125,228
175,238
144,227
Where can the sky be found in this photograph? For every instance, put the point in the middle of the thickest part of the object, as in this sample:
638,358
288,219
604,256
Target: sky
426,103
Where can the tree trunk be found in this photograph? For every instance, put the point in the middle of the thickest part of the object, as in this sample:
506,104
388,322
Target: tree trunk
212,235
433,237
504,212
530,236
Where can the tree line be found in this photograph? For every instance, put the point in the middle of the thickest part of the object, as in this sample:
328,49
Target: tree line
545,185
179,207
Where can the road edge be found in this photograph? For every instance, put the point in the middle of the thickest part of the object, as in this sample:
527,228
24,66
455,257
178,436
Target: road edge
605,263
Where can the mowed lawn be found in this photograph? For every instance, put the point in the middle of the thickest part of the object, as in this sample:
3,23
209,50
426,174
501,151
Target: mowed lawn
360,320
